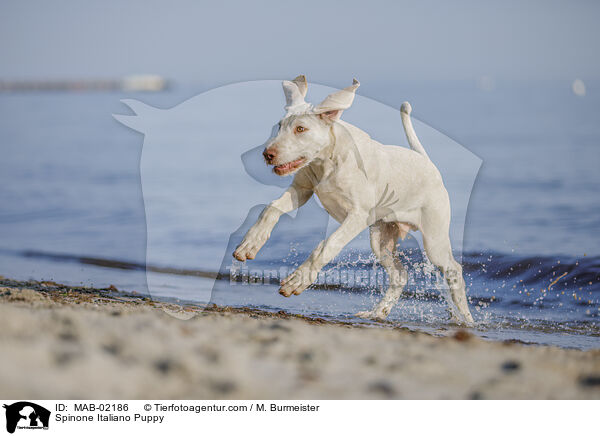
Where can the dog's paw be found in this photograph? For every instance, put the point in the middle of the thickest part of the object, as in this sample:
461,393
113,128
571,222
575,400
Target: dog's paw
241,253
297,282
248,249
464,320
375,314
461,319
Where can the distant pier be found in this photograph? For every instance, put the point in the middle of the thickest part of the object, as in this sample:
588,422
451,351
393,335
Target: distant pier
145,82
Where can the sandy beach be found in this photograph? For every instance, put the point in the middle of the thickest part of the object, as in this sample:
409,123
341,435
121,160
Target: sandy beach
60,342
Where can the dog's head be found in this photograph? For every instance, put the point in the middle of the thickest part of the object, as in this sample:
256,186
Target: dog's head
305,130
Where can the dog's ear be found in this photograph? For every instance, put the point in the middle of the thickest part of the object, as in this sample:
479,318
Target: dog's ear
302,84
294,91
331,108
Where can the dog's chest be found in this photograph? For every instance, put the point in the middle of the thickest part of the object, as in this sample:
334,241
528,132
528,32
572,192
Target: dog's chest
334,199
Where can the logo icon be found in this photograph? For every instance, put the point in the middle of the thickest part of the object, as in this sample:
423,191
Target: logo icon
219,128
26,415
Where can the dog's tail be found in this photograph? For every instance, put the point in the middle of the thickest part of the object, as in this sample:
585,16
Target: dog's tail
411,135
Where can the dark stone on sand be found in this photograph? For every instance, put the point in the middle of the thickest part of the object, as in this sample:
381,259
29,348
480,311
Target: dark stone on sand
382,387
370,360
223,386
67,336
510,366
163,366
113,349
64,357
306,356
590,380
279,326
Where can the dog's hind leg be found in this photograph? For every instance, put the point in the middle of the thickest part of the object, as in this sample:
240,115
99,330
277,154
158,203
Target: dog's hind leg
384,237
436,242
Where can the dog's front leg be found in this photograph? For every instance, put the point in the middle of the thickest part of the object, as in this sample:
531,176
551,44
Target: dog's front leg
307,273
258,234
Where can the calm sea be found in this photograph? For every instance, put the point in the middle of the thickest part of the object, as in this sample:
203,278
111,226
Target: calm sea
76,208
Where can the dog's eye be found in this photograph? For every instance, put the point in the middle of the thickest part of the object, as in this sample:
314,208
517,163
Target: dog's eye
300,129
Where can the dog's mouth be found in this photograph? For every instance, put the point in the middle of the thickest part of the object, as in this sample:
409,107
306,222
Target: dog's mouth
289,167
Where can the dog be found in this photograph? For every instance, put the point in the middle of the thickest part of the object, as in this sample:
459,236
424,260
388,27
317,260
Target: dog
361,183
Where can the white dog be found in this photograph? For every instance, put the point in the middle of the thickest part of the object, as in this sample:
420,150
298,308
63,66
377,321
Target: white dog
361,183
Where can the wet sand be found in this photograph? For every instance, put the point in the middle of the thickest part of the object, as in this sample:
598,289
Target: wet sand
60,342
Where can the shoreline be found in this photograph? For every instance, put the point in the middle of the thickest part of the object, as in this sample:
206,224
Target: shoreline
75,342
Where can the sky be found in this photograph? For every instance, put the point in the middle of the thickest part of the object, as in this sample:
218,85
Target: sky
224,42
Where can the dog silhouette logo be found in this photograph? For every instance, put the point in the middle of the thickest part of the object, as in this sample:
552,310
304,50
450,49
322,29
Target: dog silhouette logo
202,167
26,415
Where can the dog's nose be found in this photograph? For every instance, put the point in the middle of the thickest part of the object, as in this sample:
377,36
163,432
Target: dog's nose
269,154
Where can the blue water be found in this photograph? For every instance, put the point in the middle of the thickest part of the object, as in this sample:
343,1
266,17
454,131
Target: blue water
71,186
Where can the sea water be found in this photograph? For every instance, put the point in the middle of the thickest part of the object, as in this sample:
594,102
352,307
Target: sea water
72,204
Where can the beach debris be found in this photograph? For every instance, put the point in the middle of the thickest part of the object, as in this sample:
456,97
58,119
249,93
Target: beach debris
462,335
555,281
